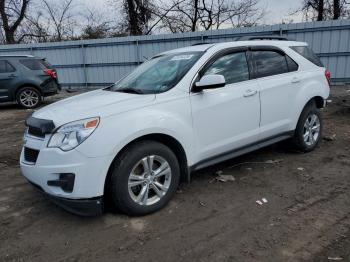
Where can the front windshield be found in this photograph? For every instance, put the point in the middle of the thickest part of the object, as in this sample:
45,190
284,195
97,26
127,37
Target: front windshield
158,74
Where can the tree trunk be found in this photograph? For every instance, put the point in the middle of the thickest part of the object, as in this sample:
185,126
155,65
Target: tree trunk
336,9
133,18
320,10
195,17
10,29
10,37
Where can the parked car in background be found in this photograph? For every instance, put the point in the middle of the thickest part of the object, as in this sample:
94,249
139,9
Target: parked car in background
26,80
181,111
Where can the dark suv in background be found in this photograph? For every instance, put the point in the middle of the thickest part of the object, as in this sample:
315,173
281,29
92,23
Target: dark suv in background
26,80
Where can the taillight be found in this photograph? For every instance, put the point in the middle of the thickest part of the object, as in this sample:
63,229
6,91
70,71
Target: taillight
327,74
51,73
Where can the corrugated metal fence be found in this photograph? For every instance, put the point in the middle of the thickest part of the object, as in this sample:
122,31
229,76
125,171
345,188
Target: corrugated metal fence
94,63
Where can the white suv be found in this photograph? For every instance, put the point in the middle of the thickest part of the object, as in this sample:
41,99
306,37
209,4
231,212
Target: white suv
133,142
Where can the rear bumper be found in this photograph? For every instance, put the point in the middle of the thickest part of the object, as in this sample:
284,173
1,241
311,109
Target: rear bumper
82,207
50,87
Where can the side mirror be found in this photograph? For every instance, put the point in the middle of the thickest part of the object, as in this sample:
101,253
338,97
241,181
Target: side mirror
209,82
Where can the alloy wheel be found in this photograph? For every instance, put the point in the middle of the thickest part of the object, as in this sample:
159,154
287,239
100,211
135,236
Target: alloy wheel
149,180
29,98
311,130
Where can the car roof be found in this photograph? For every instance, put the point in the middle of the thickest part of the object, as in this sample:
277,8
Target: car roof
205,47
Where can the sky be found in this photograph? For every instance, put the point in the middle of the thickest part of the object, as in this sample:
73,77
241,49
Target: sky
277,11
280,10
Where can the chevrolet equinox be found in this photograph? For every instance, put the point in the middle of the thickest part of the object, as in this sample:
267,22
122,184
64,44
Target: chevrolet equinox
185,109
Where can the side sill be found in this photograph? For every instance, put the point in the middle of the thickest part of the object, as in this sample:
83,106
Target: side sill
240,151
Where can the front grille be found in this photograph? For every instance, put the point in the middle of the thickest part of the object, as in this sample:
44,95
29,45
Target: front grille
35,132
30,155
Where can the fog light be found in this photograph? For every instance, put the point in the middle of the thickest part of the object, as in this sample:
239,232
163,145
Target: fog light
65,182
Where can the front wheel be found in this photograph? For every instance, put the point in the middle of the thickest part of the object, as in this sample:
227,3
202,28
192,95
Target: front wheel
309,129
144,178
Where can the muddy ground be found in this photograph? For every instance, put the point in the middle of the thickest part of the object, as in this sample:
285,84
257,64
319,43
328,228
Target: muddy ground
307,217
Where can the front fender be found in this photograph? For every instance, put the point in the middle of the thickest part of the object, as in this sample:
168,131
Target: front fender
117,131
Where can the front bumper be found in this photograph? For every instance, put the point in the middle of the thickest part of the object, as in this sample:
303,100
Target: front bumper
81,207
89,173
70,179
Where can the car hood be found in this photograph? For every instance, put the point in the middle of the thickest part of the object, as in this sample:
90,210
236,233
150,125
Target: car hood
91,104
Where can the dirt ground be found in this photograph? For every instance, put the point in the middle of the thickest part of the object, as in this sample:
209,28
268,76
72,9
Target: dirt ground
307,217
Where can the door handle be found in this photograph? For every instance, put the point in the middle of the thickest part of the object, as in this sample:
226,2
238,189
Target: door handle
250,92
12,76
295,80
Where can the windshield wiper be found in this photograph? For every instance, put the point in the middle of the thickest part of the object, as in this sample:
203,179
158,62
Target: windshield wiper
130,90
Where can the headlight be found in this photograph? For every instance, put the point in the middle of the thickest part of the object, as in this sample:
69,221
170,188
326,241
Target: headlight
70,135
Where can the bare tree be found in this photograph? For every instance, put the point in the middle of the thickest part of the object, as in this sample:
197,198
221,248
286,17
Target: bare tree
141,17
336,9
340,9
53,20
211,14
136,15
182,16
35,27
59,14
12,14
220,12
324,9
95,26
315,7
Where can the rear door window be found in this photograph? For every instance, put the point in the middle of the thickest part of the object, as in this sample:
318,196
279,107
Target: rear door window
34,64
6,67
269,63
308,54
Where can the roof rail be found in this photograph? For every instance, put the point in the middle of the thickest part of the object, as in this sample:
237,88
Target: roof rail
202,43
263,37
16,56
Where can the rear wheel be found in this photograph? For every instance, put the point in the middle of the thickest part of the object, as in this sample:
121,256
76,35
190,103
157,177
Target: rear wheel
28,97
144,178
309,129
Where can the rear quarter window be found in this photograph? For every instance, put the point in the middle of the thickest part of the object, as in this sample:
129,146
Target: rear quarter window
292,65
34,64
308,54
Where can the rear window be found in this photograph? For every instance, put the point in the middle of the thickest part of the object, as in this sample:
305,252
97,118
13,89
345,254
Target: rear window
35,64
308,54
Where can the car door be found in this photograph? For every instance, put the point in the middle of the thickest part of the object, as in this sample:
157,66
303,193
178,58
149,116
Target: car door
227,118
278,80
7,76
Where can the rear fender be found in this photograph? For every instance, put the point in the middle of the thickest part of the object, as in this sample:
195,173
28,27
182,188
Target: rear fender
308,92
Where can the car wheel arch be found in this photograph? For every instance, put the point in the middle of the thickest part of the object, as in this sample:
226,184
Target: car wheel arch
165,139
316,99
26,85
319,101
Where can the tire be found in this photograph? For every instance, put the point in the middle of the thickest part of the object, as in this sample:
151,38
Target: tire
126,190
310,119
28,97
